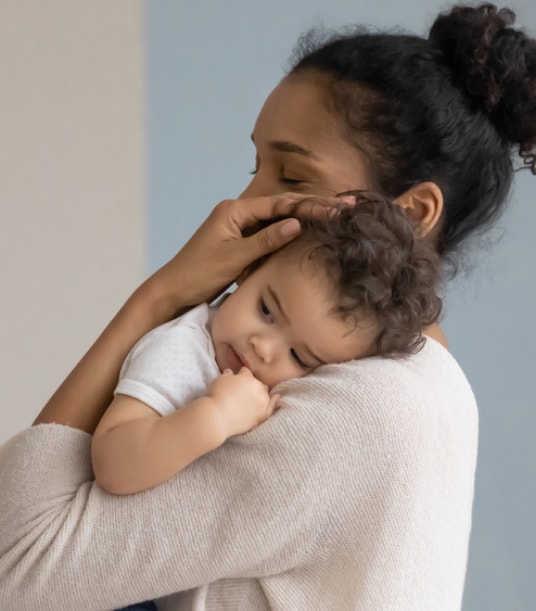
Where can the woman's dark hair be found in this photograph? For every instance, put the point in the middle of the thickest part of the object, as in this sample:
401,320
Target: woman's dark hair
450,109
377,267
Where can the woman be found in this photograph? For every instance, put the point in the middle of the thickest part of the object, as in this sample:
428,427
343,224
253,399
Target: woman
357,493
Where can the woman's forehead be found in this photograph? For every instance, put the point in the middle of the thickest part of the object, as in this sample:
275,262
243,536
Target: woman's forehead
295,110
296,119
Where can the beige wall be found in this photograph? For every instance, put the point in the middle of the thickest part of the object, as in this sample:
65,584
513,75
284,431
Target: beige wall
71,186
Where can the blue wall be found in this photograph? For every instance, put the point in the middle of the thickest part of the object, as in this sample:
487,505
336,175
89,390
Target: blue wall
210,65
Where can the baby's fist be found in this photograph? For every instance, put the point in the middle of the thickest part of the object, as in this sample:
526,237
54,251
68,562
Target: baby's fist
242,401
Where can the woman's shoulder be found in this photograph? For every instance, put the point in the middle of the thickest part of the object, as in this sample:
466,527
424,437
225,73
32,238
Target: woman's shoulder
420,375
423,393
431,374
409,425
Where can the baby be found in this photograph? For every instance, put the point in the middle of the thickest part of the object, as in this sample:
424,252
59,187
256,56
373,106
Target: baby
353,285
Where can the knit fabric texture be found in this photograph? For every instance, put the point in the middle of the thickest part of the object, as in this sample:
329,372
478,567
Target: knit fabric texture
355,495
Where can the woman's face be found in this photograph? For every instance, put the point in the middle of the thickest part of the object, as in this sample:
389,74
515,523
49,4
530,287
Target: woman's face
300,146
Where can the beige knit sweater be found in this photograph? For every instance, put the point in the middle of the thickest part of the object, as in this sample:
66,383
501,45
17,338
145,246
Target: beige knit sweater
356,495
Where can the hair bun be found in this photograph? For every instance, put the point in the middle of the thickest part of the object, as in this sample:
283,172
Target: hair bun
496,65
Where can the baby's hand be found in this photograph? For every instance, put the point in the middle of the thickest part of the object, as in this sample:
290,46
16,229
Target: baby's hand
243,402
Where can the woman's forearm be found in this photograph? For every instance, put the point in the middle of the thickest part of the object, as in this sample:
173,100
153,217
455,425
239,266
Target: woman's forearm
87,391
212,259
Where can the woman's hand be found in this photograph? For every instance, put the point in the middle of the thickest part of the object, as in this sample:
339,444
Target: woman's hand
214,256
236,233
219,251
212,259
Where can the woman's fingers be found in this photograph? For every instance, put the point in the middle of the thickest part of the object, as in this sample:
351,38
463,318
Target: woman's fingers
320,207
235,234
264,239
247,212
270,238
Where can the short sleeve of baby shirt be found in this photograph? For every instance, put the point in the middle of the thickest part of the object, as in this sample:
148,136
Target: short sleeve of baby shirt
173,364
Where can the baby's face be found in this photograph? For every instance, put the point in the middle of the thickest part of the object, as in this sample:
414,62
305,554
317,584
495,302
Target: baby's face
279,324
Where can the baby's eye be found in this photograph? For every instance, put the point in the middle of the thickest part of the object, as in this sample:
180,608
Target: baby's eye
264,309
298,360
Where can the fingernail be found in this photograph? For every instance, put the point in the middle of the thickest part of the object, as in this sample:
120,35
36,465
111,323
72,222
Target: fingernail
348,199
290,228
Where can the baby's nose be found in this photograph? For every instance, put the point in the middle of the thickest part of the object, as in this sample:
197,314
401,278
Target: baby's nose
264,348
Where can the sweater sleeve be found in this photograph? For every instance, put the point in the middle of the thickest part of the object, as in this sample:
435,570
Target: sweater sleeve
251,508
365,471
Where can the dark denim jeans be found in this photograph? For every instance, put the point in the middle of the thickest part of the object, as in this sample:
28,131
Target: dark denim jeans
148,605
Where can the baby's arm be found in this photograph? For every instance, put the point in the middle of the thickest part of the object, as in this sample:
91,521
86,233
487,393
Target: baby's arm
134,448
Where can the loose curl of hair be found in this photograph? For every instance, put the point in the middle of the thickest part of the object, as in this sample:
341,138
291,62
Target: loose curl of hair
450,109
379,269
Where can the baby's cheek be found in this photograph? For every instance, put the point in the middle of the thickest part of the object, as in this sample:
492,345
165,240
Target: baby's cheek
289,373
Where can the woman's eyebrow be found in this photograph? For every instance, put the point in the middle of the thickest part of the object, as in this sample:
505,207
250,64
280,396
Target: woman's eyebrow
286,146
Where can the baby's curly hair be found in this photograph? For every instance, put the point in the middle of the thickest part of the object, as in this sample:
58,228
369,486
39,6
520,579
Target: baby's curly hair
379,268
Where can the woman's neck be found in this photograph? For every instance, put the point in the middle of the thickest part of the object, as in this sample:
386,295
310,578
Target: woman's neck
436,332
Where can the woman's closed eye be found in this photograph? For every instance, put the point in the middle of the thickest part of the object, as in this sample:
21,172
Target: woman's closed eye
284,180
290,181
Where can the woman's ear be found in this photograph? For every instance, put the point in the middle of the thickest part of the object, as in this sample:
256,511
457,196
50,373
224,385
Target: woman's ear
424,204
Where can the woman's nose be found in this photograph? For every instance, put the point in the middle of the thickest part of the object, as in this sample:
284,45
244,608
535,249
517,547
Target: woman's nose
249,191
254,189
261,184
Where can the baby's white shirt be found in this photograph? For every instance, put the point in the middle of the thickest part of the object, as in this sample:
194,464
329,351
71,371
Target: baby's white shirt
173,364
